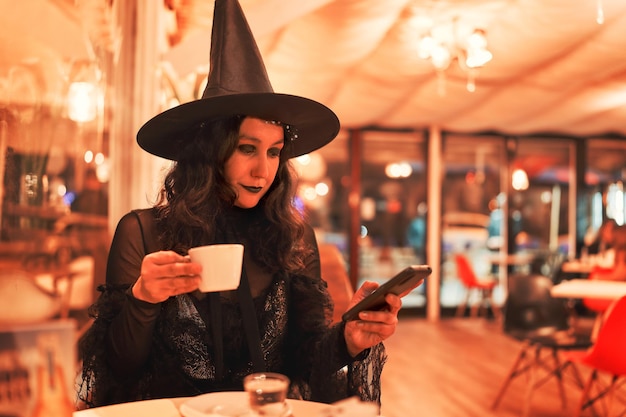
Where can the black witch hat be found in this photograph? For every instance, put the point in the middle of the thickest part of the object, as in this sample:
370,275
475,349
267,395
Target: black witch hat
238,85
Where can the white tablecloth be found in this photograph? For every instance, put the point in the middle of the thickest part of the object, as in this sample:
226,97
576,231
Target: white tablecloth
171,407
153,408
577,267
584,288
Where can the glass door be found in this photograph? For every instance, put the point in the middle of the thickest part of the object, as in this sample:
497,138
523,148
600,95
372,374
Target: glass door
473,207
393,207
603,195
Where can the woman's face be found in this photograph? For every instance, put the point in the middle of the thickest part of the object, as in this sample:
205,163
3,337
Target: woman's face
251,169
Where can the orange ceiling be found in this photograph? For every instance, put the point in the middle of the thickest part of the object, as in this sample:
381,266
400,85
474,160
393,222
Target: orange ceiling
554,68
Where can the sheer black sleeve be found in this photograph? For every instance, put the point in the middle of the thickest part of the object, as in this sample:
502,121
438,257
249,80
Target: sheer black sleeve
318,353
118,343
126,252
312,262
130,333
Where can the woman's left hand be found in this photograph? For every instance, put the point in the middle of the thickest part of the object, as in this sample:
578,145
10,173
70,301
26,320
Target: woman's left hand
373,326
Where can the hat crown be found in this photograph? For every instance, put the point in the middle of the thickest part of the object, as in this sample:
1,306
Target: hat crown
236,65
238,85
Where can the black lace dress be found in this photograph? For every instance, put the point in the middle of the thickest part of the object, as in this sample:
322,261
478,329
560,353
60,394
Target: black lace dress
137,350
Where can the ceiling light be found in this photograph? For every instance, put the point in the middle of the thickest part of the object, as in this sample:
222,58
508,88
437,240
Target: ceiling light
449,41
519,180
82,102
398,170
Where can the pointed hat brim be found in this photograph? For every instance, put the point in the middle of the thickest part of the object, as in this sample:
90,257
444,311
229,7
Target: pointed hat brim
315,124
238,85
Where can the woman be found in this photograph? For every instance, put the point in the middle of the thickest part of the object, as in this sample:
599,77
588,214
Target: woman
155,335
155,340
599,249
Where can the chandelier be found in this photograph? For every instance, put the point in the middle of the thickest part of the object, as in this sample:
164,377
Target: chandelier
451,41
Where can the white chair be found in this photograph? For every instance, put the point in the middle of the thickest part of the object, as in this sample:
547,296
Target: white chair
24,301
74,285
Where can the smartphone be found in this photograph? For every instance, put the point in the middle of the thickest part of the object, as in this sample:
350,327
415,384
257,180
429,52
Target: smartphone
409,277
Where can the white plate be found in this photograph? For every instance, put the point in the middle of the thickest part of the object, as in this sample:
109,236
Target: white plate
153,408
237,402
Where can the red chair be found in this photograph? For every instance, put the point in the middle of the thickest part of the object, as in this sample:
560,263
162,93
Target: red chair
605,358
474,285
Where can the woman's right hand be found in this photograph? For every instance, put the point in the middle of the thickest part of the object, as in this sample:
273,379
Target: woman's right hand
164,274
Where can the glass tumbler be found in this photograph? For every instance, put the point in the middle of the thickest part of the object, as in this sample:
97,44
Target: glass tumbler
267,394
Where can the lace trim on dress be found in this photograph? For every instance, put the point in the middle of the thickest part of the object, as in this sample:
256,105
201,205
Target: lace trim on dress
296,340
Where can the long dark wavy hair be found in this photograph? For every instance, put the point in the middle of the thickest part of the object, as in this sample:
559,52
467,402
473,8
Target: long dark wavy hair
195,198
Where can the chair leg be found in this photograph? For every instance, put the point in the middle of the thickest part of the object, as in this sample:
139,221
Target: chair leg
484,303
476,307
585,394
460,310
513,373
497,313
605,394
558,372
556,369
531,364
576,374
495,310
611,395
529,388
617,392
531,385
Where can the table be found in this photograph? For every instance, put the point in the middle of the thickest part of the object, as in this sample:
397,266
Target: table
167,407
585,288
176,407
577,266
511,259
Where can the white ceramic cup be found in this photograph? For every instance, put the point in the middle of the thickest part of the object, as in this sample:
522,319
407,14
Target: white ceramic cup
221,266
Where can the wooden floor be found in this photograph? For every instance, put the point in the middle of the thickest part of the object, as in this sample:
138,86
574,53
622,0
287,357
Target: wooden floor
454,368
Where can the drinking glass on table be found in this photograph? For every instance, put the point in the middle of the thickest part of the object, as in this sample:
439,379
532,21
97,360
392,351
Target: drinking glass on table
267,393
